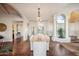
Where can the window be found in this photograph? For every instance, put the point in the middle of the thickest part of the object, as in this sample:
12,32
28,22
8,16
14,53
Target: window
60,26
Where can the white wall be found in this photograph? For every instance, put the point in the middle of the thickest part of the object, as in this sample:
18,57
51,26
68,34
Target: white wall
8,33
8,20
48,27
25,30
74,29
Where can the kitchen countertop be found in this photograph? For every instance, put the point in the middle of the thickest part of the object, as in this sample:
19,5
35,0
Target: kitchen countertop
40,38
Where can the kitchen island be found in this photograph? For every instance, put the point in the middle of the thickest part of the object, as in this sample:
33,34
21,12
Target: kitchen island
39,44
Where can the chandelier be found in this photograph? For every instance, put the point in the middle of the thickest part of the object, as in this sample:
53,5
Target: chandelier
39,18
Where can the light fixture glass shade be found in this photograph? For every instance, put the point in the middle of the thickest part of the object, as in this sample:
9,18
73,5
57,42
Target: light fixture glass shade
39,19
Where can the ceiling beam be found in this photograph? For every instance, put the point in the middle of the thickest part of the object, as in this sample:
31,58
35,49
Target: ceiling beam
9,10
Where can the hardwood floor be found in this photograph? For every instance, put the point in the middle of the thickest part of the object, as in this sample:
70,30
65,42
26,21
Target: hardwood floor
72,47
56,49
22,49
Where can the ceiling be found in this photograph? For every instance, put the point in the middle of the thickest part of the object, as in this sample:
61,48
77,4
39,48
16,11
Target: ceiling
30,10
7,10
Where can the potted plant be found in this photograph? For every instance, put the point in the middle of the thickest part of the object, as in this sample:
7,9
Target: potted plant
61,33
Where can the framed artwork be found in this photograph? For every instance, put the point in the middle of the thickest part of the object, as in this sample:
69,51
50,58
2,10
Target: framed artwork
3,27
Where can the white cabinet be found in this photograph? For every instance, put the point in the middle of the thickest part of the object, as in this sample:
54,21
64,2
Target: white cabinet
39,48
39,44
